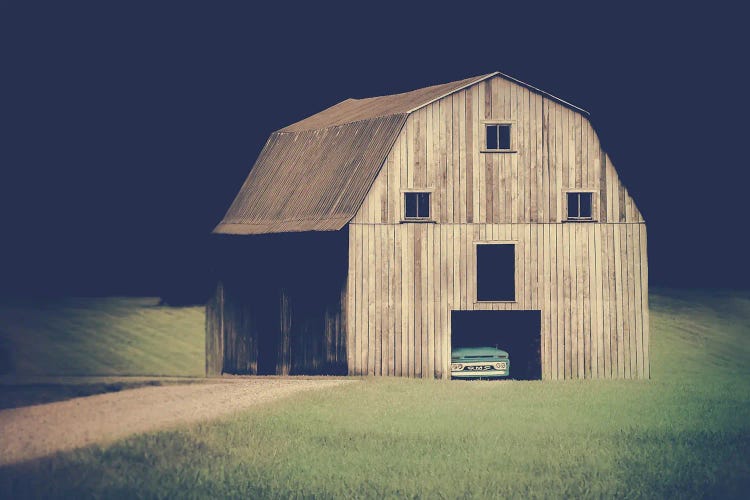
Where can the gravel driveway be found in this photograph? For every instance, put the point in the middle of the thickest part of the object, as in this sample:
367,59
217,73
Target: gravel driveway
37,431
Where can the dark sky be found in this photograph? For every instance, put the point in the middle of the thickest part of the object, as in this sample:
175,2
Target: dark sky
127,127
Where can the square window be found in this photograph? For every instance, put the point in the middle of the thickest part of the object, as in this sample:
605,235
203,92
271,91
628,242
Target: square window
498,137
579,206
416,205
496,273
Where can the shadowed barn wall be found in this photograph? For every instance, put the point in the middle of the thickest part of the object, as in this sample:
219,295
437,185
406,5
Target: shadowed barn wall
277,308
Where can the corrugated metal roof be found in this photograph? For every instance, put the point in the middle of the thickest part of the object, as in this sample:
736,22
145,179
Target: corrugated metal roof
312,180
314,174
361,109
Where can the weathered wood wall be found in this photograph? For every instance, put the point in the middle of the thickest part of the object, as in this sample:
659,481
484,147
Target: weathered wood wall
589,279
278,306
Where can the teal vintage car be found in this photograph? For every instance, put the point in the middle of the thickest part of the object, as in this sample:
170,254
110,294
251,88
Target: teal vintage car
479,362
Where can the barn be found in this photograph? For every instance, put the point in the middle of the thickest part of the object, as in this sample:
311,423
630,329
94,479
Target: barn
375,236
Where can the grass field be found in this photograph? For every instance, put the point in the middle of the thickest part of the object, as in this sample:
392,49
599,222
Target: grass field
683,434
100,336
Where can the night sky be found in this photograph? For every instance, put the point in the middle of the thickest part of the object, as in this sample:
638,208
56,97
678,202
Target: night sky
126,128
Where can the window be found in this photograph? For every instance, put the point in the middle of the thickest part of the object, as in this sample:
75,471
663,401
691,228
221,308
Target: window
498,136
579,206
496,273
416,206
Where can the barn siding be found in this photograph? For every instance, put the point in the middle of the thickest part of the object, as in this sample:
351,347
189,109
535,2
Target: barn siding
431,270
556,150
588,279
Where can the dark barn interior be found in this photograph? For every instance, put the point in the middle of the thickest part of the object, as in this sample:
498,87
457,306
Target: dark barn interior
516,332
278,306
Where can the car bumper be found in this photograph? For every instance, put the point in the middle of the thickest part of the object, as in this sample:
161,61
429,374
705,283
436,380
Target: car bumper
480,374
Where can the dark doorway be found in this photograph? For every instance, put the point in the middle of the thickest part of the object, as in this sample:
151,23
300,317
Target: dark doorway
517,332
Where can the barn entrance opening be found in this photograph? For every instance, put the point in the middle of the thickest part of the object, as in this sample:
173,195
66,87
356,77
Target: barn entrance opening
516,332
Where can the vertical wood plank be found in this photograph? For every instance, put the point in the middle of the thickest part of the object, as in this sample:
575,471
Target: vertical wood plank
459,297
427,146
634,250
463,259
518,164
418,299
455,165
565,164
405,303
436,310
411,293
351,308
460,110
442,191
628,254
571,149
417,145
387,231
644,301
598,296
614,325
394,190
534,173
544,289
551,236
559,165
569,293
528,167
444,275
584,146
546,212
397,284
593,302
430,331
582,298
365,332
622,345
377,277
603,191
468,121
454,171
371,300
606,301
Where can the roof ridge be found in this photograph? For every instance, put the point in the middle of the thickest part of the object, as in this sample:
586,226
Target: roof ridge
336,125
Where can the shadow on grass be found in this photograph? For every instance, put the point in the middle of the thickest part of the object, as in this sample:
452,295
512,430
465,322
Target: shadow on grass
684,464
16,396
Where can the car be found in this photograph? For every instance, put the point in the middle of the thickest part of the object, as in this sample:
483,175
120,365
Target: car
479,362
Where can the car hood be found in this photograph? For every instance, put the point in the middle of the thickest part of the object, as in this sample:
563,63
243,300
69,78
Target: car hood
477,352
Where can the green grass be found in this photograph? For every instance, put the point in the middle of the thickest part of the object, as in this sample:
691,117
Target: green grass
683,434
100,336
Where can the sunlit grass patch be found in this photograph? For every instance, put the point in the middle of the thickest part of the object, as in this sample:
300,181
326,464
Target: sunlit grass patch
101,336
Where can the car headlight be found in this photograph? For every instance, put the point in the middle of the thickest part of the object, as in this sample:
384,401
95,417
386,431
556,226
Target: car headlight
501,365
456,367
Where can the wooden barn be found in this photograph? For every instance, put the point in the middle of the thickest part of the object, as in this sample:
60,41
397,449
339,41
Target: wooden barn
376,235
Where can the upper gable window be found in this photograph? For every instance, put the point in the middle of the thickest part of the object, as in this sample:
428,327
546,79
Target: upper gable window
417,206
498,136
579,206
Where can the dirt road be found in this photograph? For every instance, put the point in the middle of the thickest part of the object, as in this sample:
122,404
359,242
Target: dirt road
37,431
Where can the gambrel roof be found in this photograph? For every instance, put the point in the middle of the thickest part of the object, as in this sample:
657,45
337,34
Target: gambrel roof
314,174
